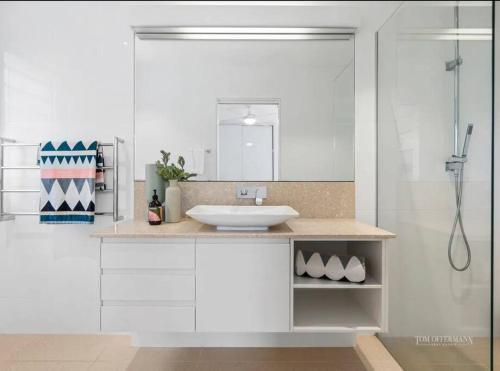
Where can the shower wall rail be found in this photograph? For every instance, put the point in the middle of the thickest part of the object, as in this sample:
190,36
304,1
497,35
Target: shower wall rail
443,34
10,215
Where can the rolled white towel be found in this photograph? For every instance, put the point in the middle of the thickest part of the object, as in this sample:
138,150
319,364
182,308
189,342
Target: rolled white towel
300,263
315,266
334,269
355,270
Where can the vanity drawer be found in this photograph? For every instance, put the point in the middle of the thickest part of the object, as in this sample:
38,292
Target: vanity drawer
150,319
177,254
147,287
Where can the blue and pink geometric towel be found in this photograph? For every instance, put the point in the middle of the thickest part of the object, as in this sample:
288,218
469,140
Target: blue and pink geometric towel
67,172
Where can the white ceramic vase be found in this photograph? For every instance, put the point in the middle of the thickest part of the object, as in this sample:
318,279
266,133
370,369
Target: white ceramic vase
173,202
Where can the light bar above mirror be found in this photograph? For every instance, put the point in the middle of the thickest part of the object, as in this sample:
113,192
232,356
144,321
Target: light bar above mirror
244,33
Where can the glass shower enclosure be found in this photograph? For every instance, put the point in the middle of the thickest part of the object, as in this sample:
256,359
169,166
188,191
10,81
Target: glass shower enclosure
434,158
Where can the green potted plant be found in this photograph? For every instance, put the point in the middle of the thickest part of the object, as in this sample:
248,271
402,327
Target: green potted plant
172,173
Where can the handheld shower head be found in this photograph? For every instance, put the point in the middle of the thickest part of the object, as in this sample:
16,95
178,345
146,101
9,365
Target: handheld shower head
465,148
456,165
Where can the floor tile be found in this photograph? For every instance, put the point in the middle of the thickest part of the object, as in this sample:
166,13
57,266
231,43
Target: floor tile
168,366
164,359
117,353
109,366
384,366
339,355
5,365
168,354
10,345
64,348
269,366
444,367
426,357
49,366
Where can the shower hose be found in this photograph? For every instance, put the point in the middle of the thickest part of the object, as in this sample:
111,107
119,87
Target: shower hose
459,180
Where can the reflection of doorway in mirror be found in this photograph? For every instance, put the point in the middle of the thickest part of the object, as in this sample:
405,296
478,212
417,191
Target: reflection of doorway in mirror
247,139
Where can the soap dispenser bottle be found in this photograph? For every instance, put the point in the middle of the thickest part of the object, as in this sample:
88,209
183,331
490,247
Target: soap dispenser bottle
155,211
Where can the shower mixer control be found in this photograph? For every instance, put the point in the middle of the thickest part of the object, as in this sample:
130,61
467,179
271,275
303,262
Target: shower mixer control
455,163
451,65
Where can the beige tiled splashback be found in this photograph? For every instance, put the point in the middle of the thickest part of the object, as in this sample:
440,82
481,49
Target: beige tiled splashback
310,199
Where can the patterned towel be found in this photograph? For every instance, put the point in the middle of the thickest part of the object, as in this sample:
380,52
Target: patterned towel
67,172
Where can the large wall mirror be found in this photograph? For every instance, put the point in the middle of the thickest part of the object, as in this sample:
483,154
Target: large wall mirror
268,109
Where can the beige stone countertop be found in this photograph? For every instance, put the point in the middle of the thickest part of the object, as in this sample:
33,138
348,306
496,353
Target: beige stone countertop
300,228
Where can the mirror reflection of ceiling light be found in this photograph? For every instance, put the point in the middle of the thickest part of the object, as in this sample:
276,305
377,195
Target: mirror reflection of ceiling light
250,118
249,144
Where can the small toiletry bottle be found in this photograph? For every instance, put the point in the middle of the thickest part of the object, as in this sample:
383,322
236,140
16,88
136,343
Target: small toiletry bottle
100,182
155,210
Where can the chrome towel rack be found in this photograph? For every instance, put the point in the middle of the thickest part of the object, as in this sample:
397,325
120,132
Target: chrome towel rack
6,142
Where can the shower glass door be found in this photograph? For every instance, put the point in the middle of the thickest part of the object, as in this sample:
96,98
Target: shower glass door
434,79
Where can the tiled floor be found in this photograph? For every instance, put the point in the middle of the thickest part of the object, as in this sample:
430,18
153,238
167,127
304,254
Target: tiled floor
412,357
114,353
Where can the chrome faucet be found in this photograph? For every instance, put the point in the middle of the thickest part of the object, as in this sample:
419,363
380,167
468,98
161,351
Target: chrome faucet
258,200
258,193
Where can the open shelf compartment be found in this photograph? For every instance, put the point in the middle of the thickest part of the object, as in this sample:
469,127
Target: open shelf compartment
323,305
349,310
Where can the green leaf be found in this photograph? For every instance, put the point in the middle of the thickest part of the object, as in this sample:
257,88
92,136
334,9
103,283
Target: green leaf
165,157
181,162
172,171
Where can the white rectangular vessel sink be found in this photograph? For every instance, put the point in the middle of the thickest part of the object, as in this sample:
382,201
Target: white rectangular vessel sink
242,217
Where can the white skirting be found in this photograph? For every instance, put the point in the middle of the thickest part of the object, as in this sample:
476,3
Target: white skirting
243,340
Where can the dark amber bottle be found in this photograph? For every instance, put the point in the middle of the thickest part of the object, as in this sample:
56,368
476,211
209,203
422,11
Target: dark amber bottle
155,210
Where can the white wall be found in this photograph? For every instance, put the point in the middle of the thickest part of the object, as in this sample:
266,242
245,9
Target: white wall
67,72
373,16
